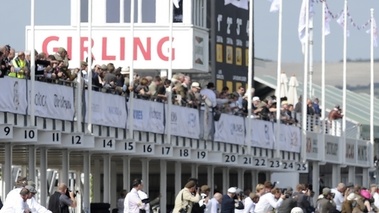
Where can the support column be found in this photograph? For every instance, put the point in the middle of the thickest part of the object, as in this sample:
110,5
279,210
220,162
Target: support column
178,176
145,175
114,194
126,172
96,181
241,181
336,175
7,170
65,166
43,171
106,179
315,179
87,179
254,180
365,177
99,9
351,175
210,178
194,170
163,185
225,180
32,163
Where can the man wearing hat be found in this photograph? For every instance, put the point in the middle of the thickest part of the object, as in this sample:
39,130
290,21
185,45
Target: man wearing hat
325,204
228,203
34,206
193,95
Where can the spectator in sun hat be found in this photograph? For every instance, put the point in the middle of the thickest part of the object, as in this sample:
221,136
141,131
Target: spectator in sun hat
61,55
325,203
193,95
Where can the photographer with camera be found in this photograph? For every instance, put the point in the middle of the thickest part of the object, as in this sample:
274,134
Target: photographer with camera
186,197
269,201
289,203
325,203
200,206
67,198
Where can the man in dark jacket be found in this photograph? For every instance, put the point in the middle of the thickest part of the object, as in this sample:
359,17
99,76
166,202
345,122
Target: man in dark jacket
288,203
54,202
325,204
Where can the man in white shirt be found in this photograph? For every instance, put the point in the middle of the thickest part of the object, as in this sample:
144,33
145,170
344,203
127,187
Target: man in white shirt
133,203
339,195
17,204
214,203
33,205
269,201
209,94
250,202
374,194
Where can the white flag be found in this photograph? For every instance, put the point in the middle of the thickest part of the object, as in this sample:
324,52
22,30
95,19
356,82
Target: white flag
375,33
327,20
341,22
302,20
176,3
275,5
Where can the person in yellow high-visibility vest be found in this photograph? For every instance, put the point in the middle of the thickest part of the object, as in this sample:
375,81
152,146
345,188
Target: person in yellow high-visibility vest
19,66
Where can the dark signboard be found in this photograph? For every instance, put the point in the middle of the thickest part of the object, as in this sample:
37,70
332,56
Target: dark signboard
232,43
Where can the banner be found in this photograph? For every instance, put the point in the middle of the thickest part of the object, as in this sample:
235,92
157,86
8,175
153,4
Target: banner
184,122
107,109
52,101
13,96
350,152
262,134
148,116
290,138
230,129
332,148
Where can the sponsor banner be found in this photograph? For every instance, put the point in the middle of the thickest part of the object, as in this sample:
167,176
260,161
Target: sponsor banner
312,147
332,148
148,116
230,129
110,44
107,109
290,138
262,134
184,122
350,152
52,101
13,98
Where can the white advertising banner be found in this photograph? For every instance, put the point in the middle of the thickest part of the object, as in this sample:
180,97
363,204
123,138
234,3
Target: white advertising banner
107,109
230,129
111,44
52,101
184,122
13,97
148,116
332,149
290,138
262,134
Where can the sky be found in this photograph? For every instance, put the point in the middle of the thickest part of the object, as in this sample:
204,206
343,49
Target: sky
266,27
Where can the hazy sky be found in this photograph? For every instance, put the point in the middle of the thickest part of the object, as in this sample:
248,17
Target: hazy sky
266,23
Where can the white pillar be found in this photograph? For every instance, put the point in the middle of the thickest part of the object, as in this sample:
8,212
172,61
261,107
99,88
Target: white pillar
163,185
126,172
32,163
336,175
225,179
43,177
365,177
351,174
139,17
315,179
210,178
74,12
99,9
162,12
106,179
254,180
87,179
187,11
96,174
178,176
7,170
194,170
145,175
241,179
114,194
65,166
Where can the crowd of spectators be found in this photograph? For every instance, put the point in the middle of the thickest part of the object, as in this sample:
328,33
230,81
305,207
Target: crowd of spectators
111,79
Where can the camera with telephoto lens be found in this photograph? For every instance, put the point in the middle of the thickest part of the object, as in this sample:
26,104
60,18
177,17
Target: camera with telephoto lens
286,193
68,193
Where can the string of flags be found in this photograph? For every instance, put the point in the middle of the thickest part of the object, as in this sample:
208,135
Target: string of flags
329,16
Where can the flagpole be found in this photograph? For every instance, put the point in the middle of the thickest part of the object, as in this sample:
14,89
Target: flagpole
310,56
305,81
131,78
250,76
89,71
79,86
169,72
278,81
32,62
323,112
372,84
344,79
